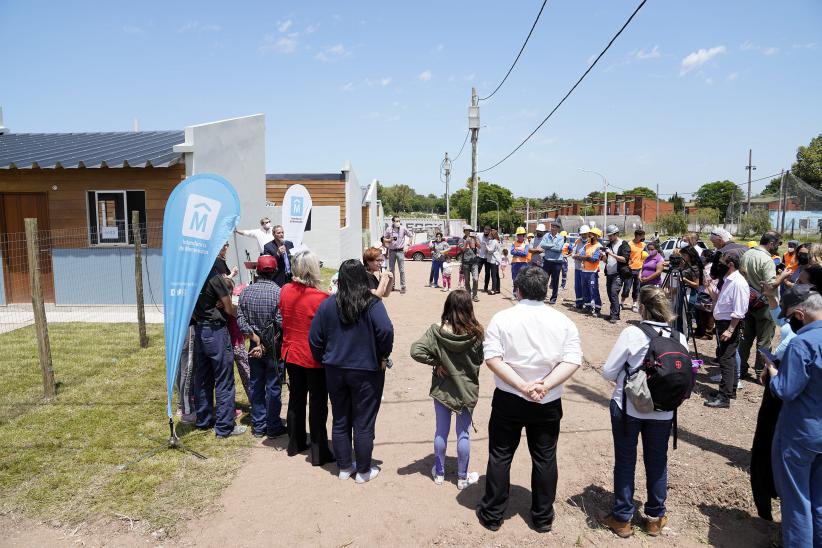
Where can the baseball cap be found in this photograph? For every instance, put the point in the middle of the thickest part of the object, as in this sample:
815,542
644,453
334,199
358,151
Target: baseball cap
793,243
467,227
794,296
266,263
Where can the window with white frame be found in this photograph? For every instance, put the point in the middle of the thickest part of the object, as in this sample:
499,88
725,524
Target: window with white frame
109,216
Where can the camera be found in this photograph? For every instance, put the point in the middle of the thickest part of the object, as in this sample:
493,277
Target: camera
675,261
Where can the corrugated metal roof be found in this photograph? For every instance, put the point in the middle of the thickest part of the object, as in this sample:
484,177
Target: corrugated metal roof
90,150
304,177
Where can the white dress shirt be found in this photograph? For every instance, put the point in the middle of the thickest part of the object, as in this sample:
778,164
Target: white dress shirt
631,347
263,236
732,302
533,339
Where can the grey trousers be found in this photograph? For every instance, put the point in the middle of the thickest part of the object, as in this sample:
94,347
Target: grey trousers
185,374
397,256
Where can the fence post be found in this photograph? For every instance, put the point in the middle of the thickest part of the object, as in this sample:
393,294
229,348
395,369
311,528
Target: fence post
138,277
40,325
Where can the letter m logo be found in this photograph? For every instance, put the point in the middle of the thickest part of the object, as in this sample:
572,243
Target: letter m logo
200,217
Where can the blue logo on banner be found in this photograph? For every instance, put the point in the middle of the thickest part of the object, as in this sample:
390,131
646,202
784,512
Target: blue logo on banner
200,216
296,206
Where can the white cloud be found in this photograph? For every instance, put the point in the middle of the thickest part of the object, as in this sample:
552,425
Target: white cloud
385,81
282,44
653,54
732,76
747,45
425,75
809,45
194,26
770,50
283,26
700,57
133,29
348,87
333,53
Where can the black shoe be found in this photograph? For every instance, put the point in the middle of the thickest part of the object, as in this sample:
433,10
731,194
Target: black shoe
718,403
490,525
258,434
544,528
613,320
552,301
277,433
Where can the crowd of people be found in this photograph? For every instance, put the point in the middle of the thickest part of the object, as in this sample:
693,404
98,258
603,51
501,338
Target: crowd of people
336,347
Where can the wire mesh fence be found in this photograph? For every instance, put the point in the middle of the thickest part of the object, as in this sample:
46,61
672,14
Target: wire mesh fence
81,281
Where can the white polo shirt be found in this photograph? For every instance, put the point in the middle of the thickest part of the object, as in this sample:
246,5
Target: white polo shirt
262,236
532,338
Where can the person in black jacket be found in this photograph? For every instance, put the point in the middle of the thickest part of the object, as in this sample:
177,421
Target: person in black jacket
617,255
352,336
280,248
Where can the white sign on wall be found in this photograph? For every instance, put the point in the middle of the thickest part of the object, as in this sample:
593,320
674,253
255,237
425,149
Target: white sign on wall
296,207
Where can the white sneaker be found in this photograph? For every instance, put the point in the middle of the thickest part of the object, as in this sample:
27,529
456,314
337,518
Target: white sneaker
347,473
471,479
437,479
716,378
740,385
368,476
635,308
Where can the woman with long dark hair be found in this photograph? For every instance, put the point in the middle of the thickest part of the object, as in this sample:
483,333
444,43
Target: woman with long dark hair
352,336
453,348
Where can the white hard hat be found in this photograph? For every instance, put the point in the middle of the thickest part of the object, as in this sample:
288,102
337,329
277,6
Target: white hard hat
584,229
467,227
540,227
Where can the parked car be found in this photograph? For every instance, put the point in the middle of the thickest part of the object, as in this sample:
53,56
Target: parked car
420,252
667,247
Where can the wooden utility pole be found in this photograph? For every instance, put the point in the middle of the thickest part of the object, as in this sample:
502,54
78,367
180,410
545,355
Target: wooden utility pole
750,167
473,125
783,197
40,324
138,277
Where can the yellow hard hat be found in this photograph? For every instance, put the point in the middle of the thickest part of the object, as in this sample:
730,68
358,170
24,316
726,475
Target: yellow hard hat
563,233
520,230
751,244
530,234
596,231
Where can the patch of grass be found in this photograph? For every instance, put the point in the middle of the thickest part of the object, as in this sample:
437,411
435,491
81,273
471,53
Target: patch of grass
59,460
327,274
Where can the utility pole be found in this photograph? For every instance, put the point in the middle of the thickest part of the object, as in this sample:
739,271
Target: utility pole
750,167
783,198
473,125
527,212
446,164
657,208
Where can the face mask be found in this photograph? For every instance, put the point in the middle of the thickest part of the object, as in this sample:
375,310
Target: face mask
651,252
267,226
803,259
718,270
796,324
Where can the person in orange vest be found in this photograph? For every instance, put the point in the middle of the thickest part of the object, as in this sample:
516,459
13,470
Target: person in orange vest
519,253
591,257
576,251
635,263
789,258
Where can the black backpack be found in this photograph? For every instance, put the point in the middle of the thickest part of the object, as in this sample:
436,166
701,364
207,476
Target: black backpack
667,366
271,337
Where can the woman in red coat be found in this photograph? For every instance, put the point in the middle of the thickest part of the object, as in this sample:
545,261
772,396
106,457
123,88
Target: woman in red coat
299,301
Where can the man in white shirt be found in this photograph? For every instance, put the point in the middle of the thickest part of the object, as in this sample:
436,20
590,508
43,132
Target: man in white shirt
482,253
398,237
530,361
729,310
264,234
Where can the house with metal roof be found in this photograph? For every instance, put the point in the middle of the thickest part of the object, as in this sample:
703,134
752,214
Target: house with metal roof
83,188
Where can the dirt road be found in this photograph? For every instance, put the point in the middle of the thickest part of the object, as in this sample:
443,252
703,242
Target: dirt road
282,500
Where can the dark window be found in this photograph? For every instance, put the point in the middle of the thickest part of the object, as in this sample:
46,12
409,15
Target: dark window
109,215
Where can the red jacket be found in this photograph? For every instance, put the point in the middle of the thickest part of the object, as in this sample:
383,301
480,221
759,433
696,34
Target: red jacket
298,304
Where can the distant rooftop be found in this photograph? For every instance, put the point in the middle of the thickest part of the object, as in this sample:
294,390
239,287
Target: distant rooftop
90,150
305,176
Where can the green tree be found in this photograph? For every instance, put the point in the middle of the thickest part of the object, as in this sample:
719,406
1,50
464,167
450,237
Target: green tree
704,217
773,186
397,198
808,164
718,195
757,223
641,191
487,193
679,203
672,224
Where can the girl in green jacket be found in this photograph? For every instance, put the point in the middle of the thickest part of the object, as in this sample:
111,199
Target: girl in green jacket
453,348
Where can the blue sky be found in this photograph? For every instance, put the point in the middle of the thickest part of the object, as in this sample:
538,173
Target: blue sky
677,101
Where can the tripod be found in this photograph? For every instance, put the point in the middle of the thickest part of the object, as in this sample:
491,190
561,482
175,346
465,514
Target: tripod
673,285
173,442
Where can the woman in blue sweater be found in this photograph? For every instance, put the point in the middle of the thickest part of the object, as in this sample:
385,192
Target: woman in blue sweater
352,336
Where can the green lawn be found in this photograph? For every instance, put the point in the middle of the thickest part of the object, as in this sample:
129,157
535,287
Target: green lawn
59,460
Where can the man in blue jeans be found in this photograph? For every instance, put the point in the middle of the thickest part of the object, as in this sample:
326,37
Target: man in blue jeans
552,244
214,359
258,307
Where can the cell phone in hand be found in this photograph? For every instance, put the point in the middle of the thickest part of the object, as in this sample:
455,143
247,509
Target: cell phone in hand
767,355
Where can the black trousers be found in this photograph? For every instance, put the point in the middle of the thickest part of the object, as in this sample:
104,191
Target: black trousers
726,356
493,270
509,414
613,284
302,383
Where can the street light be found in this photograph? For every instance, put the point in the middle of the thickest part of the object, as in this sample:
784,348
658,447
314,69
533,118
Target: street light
605,208
497,203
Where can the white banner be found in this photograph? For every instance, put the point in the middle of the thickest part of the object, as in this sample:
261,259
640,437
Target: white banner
296,207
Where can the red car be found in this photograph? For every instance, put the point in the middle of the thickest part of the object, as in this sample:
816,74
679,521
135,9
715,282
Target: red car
420,252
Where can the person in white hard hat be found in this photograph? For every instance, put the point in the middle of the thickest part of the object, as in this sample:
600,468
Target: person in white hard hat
535,249
577,250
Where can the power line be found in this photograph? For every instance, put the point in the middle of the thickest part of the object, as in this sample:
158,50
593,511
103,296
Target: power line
442,164
518,54
581,78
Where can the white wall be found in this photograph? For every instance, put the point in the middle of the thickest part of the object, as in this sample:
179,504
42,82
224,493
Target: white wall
235,149
351,234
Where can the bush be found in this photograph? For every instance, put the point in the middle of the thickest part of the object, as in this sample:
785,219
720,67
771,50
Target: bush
672,224
757,223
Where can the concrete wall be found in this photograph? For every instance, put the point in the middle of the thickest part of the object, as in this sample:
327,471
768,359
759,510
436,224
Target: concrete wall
235,149
105,275
803,222
351,233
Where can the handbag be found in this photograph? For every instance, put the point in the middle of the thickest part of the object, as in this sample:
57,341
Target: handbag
756,300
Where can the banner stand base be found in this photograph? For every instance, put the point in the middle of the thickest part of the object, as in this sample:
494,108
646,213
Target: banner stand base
173,442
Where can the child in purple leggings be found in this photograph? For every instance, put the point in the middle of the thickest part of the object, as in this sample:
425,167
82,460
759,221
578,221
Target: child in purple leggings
453,348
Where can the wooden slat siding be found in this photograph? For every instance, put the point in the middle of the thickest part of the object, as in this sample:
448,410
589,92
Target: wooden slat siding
67,204
366,221
323,193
